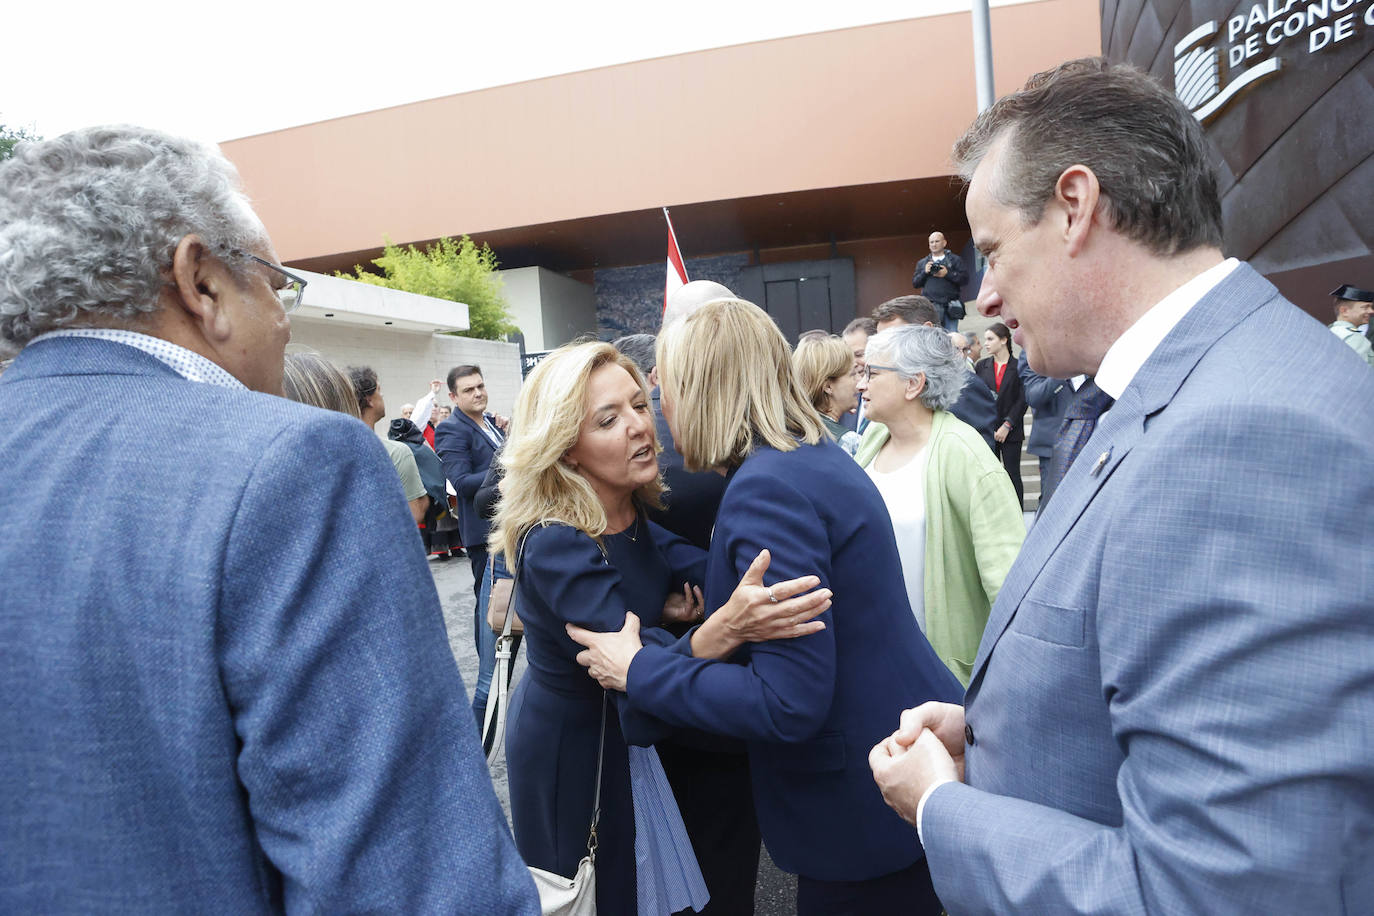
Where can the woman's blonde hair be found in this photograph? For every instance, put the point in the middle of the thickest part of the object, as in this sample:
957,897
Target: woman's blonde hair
816,361
311,379
547,422
728,371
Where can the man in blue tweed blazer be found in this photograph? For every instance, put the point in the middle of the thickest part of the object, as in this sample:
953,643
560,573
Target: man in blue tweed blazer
1172,710
243,700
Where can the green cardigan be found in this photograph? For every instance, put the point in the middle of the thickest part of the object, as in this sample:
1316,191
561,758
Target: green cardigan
974,529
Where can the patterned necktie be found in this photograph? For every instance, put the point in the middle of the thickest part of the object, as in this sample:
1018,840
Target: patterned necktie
1079,422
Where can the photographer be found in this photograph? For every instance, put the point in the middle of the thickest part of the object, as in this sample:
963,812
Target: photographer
938,277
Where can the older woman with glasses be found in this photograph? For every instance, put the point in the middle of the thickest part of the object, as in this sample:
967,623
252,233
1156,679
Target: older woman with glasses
810,709
955,514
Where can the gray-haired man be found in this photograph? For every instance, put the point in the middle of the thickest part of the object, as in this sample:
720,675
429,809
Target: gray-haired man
246,703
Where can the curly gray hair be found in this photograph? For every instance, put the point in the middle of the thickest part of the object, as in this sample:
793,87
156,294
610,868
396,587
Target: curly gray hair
913,349
89,222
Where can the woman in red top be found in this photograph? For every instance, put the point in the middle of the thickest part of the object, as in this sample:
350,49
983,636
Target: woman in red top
998,370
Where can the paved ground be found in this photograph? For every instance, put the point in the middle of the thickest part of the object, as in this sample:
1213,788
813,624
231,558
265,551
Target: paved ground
776,892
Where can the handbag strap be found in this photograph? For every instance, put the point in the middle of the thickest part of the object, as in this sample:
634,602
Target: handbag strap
596,796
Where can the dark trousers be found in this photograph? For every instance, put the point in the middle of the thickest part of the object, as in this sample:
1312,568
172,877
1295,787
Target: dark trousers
717,804
1010,453
908,891
1046,488
477,556
947,321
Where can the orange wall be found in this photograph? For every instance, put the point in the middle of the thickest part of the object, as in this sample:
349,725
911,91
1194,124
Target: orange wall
839,108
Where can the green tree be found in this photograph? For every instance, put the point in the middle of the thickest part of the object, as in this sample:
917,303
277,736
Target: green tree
454,269
9,136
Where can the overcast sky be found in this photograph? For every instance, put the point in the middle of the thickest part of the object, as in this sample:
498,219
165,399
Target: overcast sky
217,71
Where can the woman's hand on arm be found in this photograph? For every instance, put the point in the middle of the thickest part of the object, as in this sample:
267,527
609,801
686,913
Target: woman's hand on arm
687,607
759,613
607,656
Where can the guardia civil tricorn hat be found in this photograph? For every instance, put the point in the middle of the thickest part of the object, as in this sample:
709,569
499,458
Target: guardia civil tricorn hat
1353,294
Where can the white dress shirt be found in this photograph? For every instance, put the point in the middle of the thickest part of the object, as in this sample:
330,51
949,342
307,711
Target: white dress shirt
185,363
1129,352
424,409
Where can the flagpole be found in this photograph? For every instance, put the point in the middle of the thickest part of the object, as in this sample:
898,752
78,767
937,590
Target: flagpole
982,54
676,275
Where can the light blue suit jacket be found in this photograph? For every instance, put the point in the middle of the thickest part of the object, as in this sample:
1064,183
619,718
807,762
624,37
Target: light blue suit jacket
1172,709
225,685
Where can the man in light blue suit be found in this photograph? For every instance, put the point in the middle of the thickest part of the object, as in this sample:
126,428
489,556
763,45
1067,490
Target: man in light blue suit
244,700
1172,710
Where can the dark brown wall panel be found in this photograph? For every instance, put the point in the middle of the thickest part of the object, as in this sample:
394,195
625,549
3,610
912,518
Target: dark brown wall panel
1294,147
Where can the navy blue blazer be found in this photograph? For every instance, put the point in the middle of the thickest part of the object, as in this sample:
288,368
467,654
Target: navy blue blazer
466,453
812,708
1049,398
243,700
977,406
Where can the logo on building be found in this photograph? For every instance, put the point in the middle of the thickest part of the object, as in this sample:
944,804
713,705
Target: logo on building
1197,73
1206,82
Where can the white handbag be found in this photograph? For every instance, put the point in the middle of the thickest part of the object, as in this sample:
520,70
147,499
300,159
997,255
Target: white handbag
560,896
575,896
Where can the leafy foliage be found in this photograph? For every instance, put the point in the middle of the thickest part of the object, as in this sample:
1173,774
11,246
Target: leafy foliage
9,136
454,269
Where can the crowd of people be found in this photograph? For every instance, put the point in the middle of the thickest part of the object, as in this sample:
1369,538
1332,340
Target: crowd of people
767,594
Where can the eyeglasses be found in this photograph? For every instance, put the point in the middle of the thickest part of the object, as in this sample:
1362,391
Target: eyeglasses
290,294
866,373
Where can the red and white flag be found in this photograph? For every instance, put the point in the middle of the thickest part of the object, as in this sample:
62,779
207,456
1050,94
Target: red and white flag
677,271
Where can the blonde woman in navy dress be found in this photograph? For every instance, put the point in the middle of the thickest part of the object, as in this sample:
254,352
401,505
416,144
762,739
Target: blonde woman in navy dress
581,465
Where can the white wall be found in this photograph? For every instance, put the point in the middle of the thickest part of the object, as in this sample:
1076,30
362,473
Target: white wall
405,361
549,308
569,309
520,286
347,301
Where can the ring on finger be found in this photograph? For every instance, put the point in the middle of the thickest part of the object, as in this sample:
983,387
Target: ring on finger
772,597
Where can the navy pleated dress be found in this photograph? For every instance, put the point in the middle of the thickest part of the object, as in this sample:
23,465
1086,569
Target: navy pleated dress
555,717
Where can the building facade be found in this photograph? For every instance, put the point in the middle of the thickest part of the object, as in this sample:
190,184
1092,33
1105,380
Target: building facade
806,170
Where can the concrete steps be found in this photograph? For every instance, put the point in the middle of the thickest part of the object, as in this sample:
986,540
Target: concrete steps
1030,473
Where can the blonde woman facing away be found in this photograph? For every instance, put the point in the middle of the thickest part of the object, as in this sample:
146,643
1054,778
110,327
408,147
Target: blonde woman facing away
957,519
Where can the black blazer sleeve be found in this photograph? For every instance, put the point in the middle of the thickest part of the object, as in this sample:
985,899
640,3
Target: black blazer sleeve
957,273
489,493
918,277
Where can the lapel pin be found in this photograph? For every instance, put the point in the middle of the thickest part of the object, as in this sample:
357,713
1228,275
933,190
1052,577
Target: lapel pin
1101,462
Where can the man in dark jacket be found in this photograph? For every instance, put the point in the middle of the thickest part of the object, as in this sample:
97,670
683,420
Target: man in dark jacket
939,276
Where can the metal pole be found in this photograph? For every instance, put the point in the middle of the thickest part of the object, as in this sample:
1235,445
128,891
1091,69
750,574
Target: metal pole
982,54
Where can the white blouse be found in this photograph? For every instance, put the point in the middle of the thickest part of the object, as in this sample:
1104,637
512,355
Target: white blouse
903,490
